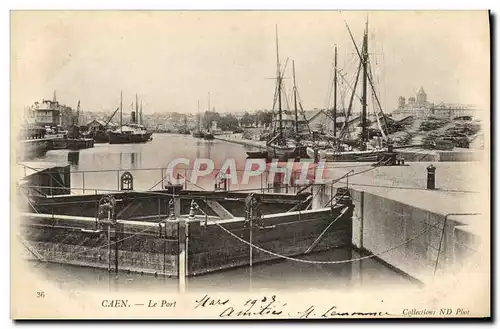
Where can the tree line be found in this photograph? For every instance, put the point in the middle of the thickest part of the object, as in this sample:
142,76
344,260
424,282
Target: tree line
229,122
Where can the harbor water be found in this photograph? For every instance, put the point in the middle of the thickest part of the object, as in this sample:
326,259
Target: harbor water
99,168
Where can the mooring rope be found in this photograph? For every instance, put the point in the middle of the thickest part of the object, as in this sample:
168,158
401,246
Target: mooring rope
318,262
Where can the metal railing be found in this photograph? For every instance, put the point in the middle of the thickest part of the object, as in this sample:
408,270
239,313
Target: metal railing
149,179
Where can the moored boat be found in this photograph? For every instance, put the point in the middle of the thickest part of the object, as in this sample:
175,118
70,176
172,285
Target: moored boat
358,149
280,146
128,134
208,136
198,134
101,136
257,154
347,156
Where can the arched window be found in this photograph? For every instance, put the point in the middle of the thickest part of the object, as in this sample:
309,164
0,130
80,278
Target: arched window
127,182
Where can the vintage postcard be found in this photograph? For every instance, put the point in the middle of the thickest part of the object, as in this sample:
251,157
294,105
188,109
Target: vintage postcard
250,164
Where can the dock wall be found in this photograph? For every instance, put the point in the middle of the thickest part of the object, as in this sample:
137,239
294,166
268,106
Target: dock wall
415,241
146,247
245,142
421,155
30,148
142,247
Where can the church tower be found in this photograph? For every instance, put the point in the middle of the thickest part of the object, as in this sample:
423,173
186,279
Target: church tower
421,97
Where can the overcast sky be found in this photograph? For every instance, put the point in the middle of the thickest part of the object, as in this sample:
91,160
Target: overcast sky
173,59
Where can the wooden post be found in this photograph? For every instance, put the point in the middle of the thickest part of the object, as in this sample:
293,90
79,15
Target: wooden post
182,233
109,247
182,255
116,229
177,206
159,208
83,182
164,249
50,184
250,237
251,246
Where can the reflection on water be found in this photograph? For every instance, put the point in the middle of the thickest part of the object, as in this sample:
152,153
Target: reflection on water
113,160
73,158
276,275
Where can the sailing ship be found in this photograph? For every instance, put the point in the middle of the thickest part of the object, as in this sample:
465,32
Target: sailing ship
358,149
198,133
208,135
279,146
133,132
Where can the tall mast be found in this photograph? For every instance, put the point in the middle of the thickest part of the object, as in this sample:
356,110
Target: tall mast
141,114
335,96
208,123
364,58
295,102
132,113
279,84
136,109
199,116
121,109
78,113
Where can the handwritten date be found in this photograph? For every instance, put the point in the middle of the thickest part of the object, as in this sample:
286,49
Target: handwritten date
252,307
270,306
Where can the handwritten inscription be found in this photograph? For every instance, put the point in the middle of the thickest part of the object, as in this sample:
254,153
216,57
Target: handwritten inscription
334,312
255,307
270,306
209,301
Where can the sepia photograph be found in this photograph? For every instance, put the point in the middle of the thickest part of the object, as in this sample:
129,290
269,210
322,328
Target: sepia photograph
263,164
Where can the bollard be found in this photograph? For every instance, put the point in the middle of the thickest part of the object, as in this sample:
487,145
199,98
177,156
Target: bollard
431,177
316,156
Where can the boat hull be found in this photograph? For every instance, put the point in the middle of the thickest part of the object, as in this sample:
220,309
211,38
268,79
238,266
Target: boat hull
286,153
208,137
123,138
101,137
257,154
352,156
198,135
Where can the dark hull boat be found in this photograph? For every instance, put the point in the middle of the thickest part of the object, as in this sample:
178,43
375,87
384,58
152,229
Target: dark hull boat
101,137
198,134
208,136
129,136
350,156
257,155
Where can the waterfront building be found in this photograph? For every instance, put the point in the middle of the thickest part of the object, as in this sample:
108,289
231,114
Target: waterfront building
420,107
47,112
